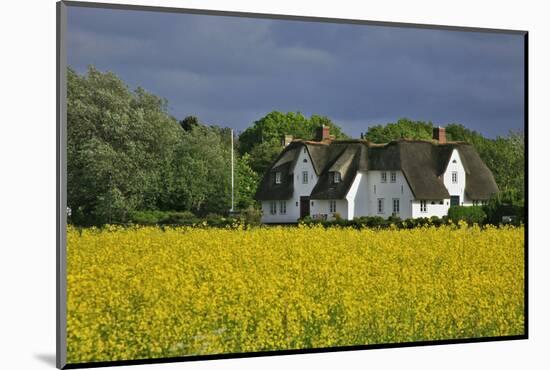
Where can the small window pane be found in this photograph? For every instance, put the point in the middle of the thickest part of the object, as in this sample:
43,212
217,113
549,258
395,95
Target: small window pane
454,176
396,206
380,205
282,207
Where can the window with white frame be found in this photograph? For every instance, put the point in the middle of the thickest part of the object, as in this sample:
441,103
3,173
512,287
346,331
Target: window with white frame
423,206
332,206
454,177
383,176
305,177
396,206
277,177
393,176
273,207
336,177
380,205
282,207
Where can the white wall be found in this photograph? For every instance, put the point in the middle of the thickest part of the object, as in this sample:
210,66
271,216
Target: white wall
388,191
293,204
357,197
458,188
433,208
322,207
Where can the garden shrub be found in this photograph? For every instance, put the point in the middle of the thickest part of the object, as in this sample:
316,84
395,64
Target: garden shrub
471,215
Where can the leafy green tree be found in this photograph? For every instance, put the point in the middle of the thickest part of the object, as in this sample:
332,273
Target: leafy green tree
246,182
262,140
276,124
118,143
403,128
200,173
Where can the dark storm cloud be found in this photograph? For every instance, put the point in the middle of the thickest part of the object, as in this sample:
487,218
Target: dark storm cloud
231,71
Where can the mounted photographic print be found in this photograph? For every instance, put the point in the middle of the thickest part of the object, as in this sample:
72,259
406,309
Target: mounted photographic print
234,185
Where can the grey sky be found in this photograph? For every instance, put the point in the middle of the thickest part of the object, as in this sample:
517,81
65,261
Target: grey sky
232,71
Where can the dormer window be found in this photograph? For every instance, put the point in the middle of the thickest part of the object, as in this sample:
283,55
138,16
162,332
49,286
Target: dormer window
277,177
336,177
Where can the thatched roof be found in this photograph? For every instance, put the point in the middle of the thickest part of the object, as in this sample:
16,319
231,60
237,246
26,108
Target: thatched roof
422,163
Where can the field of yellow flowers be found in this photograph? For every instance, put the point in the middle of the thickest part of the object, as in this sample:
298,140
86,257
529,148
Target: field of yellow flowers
148,292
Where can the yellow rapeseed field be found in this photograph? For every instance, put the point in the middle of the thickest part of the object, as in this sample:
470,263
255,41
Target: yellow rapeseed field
146,292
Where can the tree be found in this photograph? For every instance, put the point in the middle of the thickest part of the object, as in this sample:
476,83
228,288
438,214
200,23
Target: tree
262,140
189,122
199,179
403,128
118,142
246,182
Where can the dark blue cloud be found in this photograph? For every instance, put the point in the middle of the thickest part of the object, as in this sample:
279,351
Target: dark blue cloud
231,71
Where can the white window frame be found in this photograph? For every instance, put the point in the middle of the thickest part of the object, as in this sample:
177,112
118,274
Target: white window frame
454,177
383,177
380,205
423,206
273,207
395,203
336,177
282,207
393,177
305,177
332,206
278,177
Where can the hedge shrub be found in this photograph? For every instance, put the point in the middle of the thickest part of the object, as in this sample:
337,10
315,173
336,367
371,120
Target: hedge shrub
471,215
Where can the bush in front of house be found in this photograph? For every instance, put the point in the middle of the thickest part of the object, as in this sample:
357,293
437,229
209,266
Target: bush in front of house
506,204
471,215
163,218
251,216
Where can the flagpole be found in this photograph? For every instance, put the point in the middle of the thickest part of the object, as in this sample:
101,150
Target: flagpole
232,174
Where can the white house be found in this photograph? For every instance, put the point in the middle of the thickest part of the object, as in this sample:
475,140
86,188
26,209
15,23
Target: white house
353,178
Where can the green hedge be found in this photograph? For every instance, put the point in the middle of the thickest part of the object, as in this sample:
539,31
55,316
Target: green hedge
471,215
249,216
379,222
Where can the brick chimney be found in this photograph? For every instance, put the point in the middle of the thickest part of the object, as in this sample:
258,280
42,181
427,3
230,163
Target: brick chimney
439,134
323,133
286,139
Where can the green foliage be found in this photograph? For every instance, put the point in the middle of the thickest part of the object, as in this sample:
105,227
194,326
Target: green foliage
471,215
377,222
198,177
246,182
118,143
251,216
505,203
404,128
125,153
262,140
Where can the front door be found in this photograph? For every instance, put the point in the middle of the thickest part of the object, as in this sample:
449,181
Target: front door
455,200
304,207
